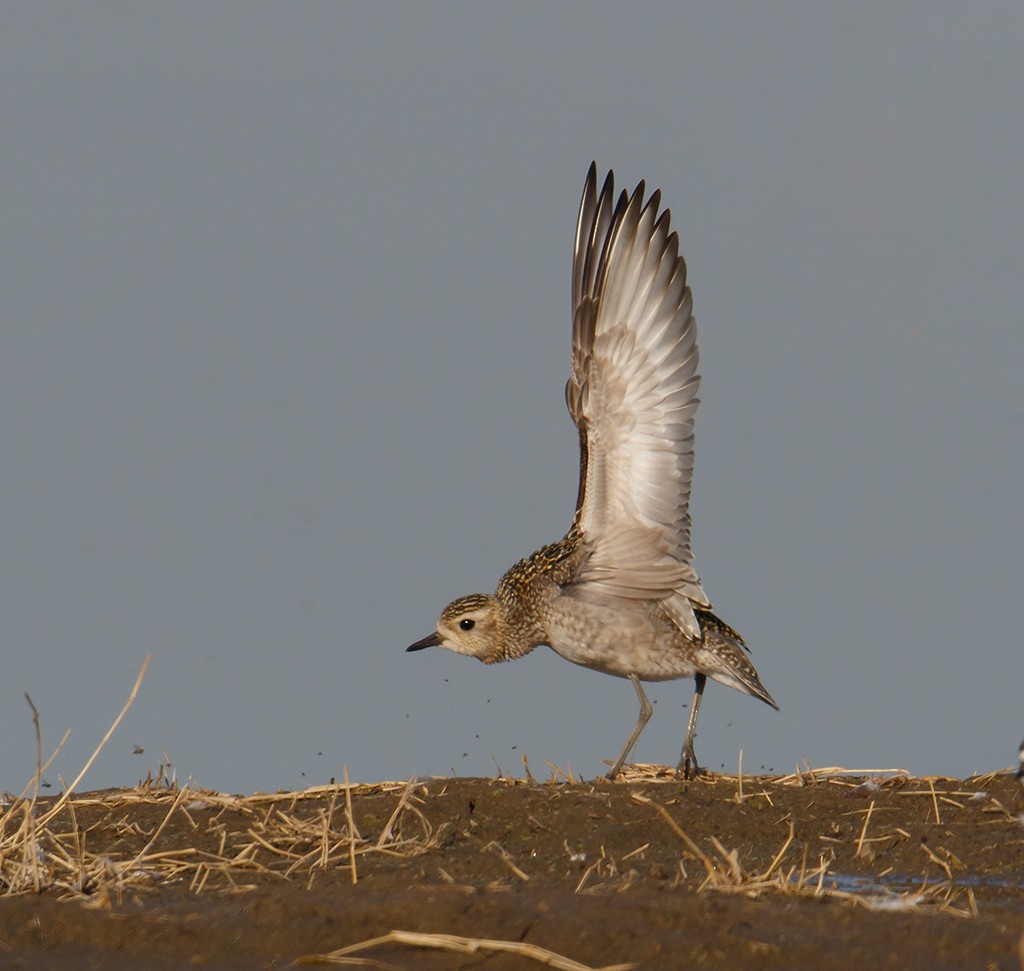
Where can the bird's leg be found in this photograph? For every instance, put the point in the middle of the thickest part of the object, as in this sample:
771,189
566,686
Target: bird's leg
645,714
688,760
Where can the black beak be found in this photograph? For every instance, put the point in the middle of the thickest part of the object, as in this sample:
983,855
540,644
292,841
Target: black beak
434,640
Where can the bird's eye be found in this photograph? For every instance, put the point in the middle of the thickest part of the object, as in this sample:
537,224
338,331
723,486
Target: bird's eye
466,624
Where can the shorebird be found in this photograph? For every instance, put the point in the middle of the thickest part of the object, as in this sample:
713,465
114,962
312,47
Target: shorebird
618,593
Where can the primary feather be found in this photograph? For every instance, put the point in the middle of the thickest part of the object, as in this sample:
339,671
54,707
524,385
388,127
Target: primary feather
633,396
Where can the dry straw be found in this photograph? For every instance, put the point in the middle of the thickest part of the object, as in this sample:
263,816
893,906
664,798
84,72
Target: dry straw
724,874
43,846
459,945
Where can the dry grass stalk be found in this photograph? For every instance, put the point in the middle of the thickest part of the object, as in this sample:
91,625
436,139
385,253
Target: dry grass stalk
694,848
935,802
939,863
528,775
557,771
613,879
39,743
506,858
353,835
386,833
637,852
178,799
59,804
864,829
460,945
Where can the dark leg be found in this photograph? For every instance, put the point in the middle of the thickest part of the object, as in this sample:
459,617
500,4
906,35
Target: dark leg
688,761
645,714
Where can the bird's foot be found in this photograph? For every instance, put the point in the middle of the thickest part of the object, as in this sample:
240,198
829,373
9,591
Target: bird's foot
688,767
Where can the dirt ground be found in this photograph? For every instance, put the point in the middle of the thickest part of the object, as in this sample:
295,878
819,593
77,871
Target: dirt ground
820,869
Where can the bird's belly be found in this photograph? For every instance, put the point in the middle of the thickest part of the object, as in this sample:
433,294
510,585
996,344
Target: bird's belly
622,641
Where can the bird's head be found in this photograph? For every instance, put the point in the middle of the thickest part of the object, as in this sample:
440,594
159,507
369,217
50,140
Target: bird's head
470,625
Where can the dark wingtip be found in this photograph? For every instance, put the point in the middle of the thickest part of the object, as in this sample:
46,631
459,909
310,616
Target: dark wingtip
434,640
767,698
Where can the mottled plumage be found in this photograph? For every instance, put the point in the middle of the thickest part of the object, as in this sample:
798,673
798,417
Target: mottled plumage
619,593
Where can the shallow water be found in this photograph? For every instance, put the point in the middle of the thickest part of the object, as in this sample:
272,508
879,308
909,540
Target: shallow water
905,882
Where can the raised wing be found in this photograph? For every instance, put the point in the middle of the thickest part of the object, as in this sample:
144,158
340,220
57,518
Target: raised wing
633,395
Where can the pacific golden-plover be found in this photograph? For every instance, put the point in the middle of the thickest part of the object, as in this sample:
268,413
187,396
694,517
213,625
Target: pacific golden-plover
618,593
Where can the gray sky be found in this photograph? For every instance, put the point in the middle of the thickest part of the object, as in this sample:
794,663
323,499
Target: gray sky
285,327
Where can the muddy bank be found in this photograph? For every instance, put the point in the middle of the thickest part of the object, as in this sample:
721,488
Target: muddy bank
819,870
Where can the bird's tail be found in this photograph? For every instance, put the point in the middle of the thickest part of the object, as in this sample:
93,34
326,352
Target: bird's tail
726,658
